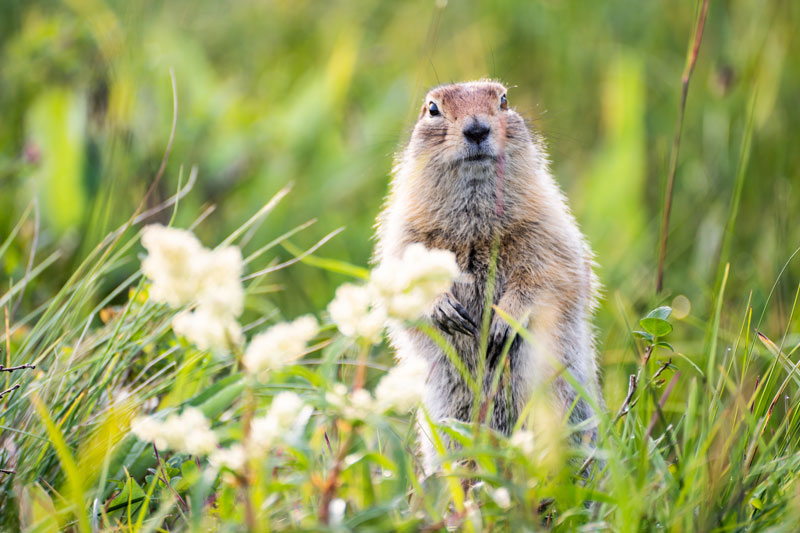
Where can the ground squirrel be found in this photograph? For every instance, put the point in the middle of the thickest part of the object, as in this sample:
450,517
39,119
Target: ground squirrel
473,174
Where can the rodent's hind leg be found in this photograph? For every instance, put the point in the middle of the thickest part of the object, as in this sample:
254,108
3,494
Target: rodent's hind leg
451,317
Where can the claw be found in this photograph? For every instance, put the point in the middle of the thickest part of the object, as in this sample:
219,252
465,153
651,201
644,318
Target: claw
467,322
452,317
499,334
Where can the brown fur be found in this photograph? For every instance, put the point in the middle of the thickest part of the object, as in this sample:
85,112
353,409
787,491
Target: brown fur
544,272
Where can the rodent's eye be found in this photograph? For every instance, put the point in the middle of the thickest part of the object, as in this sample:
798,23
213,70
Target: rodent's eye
433,109
503,102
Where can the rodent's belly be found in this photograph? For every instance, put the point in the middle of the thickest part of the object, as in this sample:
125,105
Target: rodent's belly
472,296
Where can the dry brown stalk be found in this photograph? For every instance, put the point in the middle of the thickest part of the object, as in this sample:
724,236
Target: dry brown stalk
676,142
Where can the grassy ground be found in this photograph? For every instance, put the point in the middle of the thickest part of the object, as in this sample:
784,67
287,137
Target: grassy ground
703,440
701,430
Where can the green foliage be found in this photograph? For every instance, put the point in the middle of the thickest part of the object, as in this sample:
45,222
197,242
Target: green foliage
655,323
702,423
683,451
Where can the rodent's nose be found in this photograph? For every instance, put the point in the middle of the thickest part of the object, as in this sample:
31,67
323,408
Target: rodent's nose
476,131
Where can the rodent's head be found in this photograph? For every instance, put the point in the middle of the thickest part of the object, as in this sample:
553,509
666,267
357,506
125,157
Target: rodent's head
468,125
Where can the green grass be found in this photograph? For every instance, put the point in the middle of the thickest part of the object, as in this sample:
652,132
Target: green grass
706,440
701,426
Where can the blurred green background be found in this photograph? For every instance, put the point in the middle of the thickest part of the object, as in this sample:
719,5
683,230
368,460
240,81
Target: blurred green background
324,93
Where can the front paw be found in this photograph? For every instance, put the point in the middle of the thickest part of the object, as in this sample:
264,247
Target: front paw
450,316
500,332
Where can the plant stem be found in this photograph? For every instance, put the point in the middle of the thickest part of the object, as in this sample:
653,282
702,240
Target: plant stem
247,474
11,389
332,481
676,142
13,368
166,480
361,368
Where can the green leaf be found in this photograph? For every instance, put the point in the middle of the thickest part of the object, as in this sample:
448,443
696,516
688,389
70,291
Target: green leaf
41,513
664,344
655,322
643,335
331,265
223,399
131,491
56,123
662,312
374,458
214,389
179,483
190,472
656,326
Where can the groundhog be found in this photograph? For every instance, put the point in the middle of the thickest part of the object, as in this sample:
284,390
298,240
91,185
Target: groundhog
473,175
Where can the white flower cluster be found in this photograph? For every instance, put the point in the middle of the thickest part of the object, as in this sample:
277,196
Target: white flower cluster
524,441
400,390
183,272
501,497
408,286
188,432
402,387
279,345
207,330
356,313
282,414
358,405
400,288
265,431
234,458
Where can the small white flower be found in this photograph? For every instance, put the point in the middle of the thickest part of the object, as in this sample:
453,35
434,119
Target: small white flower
264,431
390,277
282,415
409,286
337,396
188,432
501,497
523,440
437,268
358,405
336,511
220,286
198,439
182,271
233,458
355,314
207,330
279,345
402,387
285,407
174,256
473,511
148,429
362,404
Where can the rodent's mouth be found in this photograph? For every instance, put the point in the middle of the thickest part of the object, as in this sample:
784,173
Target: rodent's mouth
479,157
